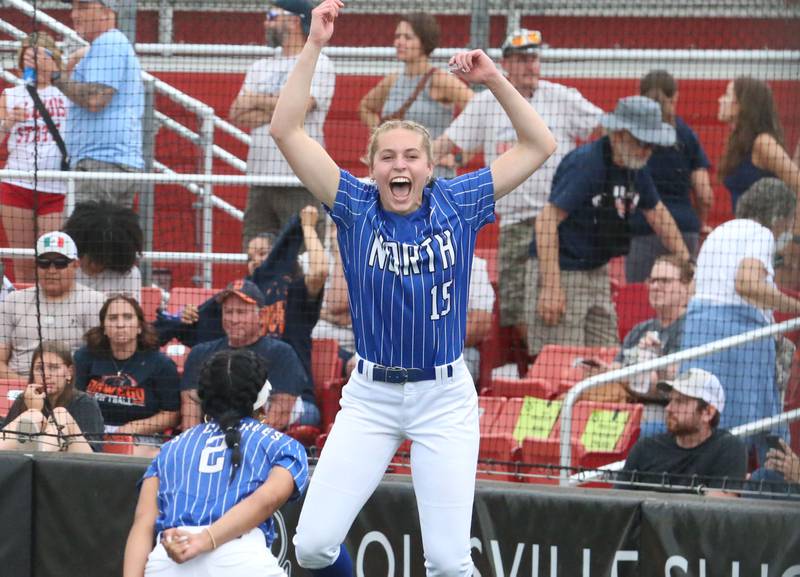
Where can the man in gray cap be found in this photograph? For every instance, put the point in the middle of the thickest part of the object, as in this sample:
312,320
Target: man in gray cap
270,207
694,450
104,86
584,224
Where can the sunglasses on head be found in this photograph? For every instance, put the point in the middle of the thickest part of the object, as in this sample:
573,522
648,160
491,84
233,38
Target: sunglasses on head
532,37
60,263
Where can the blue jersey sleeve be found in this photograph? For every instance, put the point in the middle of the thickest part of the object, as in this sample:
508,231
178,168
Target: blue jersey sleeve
106,61
291,455
473,194
352,199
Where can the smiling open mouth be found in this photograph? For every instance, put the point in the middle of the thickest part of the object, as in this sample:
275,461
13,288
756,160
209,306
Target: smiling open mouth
400,186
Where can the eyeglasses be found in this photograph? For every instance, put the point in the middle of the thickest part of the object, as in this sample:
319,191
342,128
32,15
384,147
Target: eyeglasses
531,37
661,280
59,263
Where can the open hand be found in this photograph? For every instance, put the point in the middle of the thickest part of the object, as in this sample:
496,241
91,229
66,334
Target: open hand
322,18
474,66
785,461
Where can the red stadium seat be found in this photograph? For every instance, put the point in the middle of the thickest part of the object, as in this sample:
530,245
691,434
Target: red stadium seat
499,347
498,457
604,433
118,444
560,365
325,361
151,300
9,389
632,303
306,434
182,296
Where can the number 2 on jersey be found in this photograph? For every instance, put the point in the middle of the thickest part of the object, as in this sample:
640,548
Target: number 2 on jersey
212,457
435,314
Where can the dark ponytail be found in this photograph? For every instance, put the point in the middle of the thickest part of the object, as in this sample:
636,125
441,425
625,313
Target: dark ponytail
229,385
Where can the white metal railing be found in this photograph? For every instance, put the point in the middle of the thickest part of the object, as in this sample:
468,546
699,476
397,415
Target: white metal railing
177,178
165,256
624,373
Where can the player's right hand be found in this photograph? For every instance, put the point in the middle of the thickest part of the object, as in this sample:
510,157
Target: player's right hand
322,18
34,396
551,305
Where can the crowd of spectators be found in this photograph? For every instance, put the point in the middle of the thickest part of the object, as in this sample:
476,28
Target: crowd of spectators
640,190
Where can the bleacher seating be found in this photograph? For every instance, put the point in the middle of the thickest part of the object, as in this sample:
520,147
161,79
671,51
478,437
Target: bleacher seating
9,389
632,304
561,364
180,296
151,300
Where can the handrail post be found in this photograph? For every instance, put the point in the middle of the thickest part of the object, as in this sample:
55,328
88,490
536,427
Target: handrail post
207,205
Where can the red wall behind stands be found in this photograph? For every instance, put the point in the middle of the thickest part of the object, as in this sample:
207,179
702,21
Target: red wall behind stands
346,136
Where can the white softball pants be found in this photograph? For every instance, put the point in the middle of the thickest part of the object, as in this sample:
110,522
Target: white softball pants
246,556
440,417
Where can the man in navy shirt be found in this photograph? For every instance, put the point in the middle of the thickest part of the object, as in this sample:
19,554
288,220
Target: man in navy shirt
292,399
584,224
693,451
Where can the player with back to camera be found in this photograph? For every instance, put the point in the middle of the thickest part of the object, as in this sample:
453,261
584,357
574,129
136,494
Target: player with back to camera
211,492
406,242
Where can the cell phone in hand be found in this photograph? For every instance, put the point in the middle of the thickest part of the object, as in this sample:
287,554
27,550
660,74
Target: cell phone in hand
592,363
773,442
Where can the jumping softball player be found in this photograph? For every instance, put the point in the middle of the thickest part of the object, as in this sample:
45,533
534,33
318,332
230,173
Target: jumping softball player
211,492
406,242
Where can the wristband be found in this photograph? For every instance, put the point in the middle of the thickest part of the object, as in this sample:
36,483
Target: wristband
211,535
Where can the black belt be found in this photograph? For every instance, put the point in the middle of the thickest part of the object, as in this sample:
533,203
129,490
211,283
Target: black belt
400,375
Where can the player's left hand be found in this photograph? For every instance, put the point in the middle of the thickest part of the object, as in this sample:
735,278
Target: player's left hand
181,546
474,67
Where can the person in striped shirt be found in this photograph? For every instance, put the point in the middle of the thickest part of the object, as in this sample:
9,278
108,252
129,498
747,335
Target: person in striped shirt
211,492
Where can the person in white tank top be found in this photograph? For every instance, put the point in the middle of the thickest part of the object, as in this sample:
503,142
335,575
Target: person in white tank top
31,146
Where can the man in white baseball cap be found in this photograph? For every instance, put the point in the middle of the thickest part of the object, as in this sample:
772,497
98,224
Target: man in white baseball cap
694,452
65,311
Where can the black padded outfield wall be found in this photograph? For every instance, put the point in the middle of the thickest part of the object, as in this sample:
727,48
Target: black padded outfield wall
66,516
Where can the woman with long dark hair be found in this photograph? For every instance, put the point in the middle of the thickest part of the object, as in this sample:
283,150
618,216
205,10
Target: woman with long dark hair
50,415
755,147
136,385
680,173
212,491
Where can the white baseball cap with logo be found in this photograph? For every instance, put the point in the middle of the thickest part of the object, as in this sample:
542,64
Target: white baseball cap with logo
57,242
698,384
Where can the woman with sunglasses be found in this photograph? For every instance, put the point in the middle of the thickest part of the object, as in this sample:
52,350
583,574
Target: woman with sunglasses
406,241
211,493
421,92
50,413
134,383
30,145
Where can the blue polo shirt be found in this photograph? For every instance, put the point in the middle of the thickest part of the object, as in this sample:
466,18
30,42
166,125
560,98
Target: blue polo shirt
599,198
671,168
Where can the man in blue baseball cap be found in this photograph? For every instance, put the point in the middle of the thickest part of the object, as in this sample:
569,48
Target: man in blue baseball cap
269,208
596,189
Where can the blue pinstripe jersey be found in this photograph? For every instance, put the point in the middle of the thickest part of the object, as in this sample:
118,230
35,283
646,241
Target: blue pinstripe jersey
408,275
194,469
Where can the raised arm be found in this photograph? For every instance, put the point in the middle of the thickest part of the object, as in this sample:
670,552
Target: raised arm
309,160
534,143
